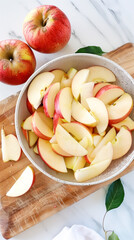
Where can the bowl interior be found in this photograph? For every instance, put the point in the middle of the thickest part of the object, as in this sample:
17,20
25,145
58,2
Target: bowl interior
78,61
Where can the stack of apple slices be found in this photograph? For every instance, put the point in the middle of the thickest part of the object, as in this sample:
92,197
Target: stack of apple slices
79,120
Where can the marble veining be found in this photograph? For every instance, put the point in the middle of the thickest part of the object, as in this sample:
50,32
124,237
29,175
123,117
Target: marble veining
105,23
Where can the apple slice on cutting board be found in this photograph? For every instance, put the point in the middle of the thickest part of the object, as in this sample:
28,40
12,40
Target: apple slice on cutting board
109,93
23,183
120,109
100,111
49,97
38,87
100,74
42,126
10,147
80,114
68,143
63,102
128,122
122,143
52,159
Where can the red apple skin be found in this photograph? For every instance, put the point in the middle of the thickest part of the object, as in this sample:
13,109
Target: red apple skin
45,103
56,104
30,108
17,62
113,121
87,159
36,130
56,120
105,88
47,34
25,132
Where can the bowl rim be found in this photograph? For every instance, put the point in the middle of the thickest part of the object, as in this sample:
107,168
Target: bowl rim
17,127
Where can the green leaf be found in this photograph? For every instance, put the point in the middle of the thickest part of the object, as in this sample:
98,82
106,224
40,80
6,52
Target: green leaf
115,195
91,49
113,236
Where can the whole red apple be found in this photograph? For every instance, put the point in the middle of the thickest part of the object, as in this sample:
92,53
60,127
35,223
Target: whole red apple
17,62
47,29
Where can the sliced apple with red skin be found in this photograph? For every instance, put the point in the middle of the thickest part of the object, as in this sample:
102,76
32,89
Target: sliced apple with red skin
56,120
10,147
57,149
53,139
100,74
58,74
27,123
42,125
107,138
35,149
98,86
68,143
30,108
63,103
87,157
52,159
128,122
32,138
49,97
122,143
80,114
37,88
79,131
109,93
77,82
86,92
25,133
23,183
120,109
97,167
100,111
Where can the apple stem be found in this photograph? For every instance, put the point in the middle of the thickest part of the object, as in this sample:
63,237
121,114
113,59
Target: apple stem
44,22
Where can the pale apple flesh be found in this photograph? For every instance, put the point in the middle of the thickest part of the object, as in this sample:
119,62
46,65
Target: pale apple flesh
120,109
52,159
27,123
98,86
35,149
121,143
49,97
32,138
86,92
100,111
75,163
56,120
68,143
128,122
109,93
10,147
57,149
58,75
100,74
23,183
106,152
80,114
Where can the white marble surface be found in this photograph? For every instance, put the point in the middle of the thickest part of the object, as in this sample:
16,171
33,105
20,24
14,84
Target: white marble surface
106,23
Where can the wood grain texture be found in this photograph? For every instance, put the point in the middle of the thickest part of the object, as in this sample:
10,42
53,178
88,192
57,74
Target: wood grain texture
46,197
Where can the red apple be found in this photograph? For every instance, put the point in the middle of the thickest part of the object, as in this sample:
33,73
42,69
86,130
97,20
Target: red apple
17,62
47,29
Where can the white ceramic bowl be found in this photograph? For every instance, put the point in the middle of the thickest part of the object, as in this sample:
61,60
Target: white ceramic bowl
77,61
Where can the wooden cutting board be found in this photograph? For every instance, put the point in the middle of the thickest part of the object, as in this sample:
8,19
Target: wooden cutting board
46,197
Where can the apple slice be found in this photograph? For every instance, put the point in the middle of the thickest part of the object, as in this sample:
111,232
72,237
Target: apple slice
27,123
80,114
105,153
42,126
68,143
30,108
79,131
107,138
38,87
109,93
87,157
75,163
57,149
92,171
120,109
52,159
56,120
53,139
35,149
98,86
71,73
66,82
77,82
32,138
49,97
86,92
96,139
121,143
128,122
25,133
23,183
63,103
99,110
10,147
58,74
100,74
